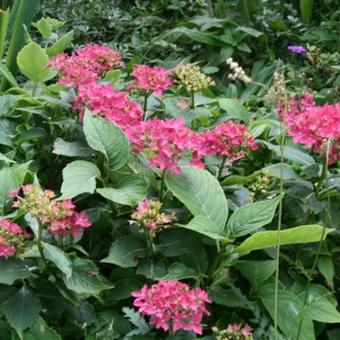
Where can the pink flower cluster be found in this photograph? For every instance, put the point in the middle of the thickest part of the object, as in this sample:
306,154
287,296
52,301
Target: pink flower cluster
148,215
165,143
237,328
114,105
173,305
151,79
12,238
313,125
60,217
228,139
86,65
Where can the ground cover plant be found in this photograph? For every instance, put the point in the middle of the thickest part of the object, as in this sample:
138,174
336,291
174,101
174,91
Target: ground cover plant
194,201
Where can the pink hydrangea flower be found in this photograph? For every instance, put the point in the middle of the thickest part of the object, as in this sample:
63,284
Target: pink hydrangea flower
165,143
173,305
153,79
313,125
114,105
12,238
228,139
86,65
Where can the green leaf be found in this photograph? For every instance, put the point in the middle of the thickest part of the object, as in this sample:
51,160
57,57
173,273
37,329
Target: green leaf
249,31
268,239
196,35
85,278
107,138
137,320
7,130
256,272
8,75
201,224
32,61
151,268
130,190
40,331
322,310
71,149
306,8
231,297
248,218
289,308
201,193
292,154
126,251
58,257
47,25
79,177
113,76
234,109
11,177
61,44
22,309
14,269
326,268
275,171
179,271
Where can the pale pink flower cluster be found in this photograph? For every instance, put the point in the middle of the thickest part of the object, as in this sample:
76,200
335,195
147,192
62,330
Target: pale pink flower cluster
148,214
86,65
114,105
12,238
313,125
60,217
237,328
228,139
151,79
165,143
173,305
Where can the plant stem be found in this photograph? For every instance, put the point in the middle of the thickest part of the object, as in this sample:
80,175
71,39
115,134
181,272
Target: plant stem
40,247
317,255
145,107
220,170
162,186
193,100
278,241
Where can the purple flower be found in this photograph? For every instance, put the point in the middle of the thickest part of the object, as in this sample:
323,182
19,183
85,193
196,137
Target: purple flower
297,49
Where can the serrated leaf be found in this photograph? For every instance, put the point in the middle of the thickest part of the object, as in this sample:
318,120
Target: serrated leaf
13,269
22,309
130,190
268,239
58,257
126,251
70,149
137,320
201,193
248,218
79,177
107,138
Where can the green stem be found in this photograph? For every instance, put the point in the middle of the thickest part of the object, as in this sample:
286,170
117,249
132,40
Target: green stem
145,107
162,185
193,100
40,247
318,252
278,241
220,170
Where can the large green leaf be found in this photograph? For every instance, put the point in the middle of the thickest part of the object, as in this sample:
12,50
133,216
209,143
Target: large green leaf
58,257
322,310
289,308
13,269
85,278
129,191
268,239
7,129
61,44
107,138
201,194
40,331
71,149
126,251
79,177
32,61
248,218
22,309
234,109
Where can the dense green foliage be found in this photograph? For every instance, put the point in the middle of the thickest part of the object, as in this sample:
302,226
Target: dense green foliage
259,234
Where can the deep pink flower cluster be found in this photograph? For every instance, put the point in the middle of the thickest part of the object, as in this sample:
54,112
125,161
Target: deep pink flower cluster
165,143
12,237
153,79
114,105
60,217
313,125
86,65
148,214
228,139
173,305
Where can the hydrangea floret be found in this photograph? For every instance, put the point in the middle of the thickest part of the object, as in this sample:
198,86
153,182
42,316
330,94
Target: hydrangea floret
172,305
149,216
59,216
234,332
12,238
